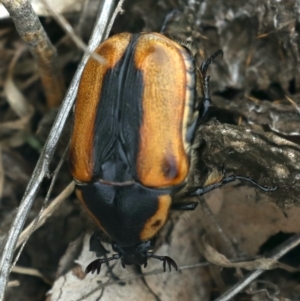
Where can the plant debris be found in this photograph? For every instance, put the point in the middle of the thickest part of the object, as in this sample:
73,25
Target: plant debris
253,130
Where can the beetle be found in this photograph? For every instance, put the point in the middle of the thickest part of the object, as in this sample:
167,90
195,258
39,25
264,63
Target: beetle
134,127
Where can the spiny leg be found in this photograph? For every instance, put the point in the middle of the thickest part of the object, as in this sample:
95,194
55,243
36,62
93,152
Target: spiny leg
97,247
226,180
95,266
206,103
203,190
166,261
204,66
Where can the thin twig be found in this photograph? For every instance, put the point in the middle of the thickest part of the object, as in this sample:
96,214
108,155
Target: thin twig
293,103
143,275
1,174
277,253
13,283
226,242
65,25
262,263
46,213
42,166
31,31
30,272
15,98
118,10
217,227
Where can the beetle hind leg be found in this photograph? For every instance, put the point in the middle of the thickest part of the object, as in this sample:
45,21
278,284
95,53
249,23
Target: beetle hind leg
186,206
228,179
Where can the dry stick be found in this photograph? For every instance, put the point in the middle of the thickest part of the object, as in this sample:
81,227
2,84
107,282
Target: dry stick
41,169
261,263
277,253
13,283
31,31
31,272
15,98
84,15
60,19
46,213
34,225
118,10
27,271
212,219
225,239
147,274
1,174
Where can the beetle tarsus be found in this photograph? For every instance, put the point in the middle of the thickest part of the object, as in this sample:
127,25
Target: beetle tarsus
166,260
96,264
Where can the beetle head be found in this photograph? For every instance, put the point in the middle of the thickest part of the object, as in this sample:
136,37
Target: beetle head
137,254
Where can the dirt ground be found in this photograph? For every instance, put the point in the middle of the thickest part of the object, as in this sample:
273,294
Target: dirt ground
253,130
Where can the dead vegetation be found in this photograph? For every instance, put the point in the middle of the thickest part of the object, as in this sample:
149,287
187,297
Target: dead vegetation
253,131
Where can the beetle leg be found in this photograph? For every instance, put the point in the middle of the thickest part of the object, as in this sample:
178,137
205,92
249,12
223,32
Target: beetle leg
206,103
166,260
204,66
96,245
96,264
184,206
226,180
202,190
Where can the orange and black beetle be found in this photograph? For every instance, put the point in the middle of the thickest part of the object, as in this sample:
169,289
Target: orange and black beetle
134,125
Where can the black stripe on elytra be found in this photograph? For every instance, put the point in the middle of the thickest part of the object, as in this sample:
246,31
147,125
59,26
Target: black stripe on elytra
118,120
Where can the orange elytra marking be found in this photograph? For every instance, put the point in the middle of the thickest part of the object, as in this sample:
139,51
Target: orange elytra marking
81,154
162,159
155,222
